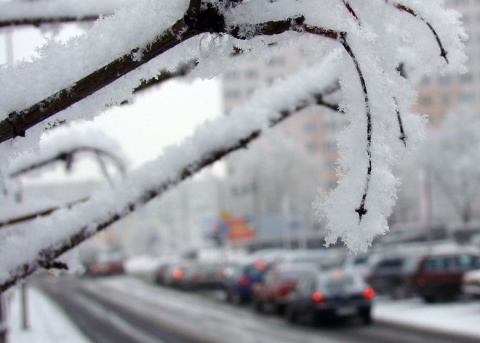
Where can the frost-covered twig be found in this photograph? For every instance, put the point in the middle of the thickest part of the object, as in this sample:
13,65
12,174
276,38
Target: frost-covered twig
37,13
68,156
361,210
34,215
401,7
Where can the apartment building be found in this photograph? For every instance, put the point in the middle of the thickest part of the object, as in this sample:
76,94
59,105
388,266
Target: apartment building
440,94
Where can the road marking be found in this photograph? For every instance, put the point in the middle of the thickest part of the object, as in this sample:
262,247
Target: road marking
101,312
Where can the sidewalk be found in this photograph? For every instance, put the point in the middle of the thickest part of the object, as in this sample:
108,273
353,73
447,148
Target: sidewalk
47,322
461,317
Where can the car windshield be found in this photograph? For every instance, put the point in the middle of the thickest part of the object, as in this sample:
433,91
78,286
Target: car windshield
339,283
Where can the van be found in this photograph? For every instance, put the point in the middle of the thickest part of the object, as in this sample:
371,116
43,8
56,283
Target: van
439,277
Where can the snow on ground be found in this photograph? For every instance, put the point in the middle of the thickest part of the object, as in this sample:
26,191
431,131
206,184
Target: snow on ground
48,322
461,317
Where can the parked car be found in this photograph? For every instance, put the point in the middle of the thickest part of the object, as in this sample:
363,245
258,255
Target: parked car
105,268
274,289
325,259
439,276
393,274
238,284
202,275
160,273
330,295
175,274
471,282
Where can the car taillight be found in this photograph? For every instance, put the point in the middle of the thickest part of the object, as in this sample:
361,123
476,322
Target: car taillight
177,274
283,291
368,294
245,280
317,297
260,265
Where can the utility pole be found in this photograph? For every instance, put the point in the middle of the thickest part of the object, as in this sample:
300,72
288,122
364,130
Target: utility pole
3,307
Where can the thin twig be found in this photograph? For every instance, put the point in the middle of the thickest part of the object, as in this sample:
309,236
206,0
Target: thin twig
401,7
361,210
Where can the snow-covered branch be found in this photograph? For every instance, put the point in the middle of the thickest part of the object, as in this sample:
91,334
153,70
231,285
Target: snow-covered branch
367,41
72,226
206,20
16,13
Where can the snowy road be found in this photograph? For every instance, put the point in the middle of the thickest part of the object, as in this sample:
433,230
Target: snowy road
127,310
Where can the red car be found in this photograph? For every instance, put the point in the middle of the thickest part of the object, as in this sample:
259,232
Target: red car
439,276
274,289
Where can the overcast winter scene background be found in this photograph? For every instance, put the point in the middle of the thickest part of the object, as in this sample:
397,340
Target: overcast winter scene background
239,171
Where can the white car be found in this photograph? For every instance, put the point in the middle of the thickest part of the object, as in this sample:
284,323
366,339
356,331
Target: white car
471,283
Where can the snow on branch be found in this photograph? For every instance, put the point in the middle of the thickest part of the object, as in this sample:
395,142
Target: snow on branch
61,146
16,13
367,39
206,20
72,226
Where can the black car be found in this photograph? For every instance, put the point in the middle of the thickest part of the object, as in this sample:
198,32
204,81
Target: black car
323,296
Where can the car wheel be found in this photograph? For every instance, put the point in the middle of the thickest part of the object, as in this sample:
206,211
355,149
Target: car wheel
367,318
291,315
279,309
258,306
430,299
228,297
237,299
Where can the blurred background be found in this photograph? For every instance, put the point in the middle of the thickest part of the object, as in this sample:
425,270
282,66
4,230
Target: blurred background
239,223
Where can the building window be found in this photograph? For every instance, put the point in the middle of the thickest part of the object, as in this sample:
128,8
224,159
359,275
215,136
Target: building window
446,99
329,146
332,165
426,100
466,97
425,81
329,126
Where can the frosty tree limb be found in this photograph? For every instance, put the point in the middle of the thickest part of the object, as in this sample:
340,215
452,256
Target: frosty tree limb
39,21
185,169
37,13
67,156
34,215
370,44
410,11
196,21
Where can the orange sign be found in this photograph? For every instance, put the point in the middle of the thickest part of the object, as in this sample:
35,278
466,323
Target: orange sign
239,230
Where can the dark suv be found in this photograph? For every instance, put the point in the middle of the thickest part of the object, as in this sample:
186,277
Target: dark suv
393,275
